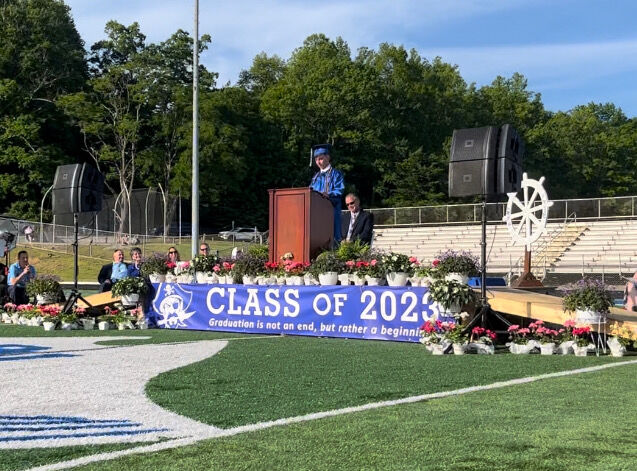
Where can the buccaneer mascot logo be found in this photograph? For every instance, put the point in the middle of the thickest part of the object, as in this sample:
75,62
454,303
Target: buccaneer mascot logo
174,306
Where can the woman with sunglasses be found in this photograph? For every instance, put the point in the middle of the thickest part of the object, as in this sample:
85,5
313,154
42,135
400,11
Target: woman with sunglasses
173,255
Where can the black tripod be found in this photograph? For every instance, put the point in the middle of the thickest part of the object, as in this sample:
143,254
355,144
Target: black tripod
484,311
75,295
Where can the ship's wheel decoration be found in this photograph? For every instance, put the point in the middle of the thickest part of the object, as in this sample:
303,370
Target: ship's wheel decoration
523,221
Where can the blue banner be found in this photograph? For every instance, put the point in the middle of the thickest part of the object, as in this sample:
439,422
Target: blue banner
361,312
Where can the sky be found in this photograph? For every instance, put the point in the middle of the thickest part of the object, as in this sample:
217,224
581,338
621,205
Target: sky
572,52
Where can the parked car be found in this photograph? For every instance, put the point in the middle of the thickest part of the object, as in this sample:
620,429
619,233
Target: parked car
241,233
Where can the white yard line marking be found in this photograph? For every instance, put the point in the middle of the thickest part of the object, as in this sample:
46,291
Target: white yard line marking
318,415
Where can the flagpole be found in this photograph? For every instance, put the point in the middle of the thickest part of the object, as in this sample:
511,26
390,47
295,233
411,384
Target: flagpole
195,135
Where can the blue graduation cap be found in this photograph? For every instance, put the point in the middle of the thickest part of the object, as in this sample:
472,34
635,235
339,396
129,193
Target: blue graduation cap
320,149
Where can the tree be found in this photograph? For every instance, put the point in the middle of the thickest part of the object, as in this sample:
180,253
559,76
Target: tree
42,57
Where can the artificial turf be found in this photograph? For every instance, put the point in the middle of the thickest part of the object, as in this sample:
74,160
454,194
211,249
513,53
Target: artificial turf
583,422
270,378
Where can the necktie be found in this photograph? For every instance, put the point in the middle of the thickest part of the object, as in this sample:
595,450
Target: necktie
352,220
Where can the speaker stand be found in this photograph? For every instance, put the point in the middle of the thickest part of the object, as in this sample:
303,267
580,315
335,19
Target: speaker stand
484,313
75,294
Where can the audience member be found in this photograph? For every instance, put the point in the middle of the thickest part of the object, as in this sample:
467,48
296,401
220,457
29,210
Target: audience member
630,294
173,255
20,273
357,224
112,272
204,249
136,257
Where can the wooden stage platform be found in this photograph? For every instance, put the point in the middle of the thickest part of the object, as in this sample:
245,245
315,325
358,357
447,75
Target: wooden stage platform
531,305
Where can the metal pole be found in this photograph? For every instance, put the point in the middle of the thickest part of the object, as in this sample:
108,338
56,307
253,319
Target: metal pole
146,210
42,209
195,134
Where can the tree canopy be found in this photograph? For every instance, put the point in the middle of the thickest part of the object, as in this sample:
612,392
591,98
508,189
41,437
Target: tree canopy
389,113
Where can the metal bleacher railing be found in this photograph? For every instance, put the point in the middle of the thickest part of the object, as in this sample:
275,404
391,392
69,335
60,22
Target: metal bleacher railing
591,208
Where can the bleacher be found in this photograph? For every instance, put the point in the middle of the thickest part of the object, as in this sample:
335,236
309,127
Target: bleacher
582,247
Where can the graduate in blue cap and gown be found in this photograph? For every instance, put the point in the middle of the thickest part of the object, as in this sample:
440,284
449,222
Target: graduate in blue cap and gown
331,183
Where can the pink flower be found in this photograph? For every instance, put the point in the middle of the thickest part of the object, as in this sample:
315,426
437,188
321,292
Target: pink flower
569,323
513,328
373,262
350,263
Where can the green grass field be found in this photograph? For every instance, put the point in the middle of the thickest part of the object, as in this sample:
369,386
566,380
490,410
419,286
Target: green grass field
58,259
579,422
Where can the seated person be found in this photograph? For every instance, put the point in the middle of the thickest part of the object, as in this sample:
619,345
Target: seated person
173,255
136,257
630,294
20,273
112,272
357,224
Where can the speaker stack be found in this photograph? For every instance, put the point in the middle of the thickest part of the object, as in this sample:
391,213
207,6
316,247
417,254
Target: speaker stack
485,161
77,188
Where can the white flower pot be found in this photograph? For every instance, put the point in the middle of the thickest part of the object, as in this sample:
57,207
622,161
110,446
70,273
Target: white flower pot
6,318
66,325
586,316
426,281
294,280
343,278
616,348
437,349
565,348
310,280
157,278
454,309
249,280
229,279
23,320
212,278
142,324
548,348
185,279
48,326
130,299
103,325
358,280
45,298
371,281
458,348
580,351
170,278
15,318
520,348
414,280
88,323
397,278
459,277
329,278
121,326
201,277
280,280
481,348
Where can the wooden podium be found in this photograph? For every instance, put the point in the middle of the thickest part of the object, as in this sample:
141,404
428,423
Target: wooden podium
301,222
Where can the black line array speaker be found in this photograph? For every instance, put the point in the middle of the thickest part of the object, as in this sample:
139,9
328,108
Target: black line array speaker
77,188
485,161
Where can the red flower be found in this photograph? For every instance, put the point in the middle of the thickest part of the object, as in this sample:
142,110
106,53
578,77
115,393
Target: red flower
435,263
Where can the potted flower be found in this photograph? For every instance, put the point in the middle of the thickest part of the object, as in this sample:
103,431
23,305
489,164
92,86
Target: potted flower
482,341
184,271
433,334
67,319
7,312
122,319
423,276
545,337
129,289
565,338
581,337
326,268
520,340
45,288
50,316
248,267
294,272
87,322
621,338
154,268
223,271
455,265
455,334
399,267
452,295
589,299
203,266
24,313
372,270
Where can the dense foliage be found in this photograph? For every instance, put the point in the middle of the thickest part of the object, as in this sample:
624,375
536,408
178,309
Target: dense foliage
389,113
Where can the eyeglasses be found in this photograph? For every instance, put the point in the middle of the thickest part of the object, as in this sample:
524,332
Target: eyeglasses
204,249
351,203
172,251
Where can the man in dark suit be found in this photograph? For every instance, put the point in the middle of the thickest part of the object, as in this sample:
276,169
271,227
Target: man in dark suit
357,224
